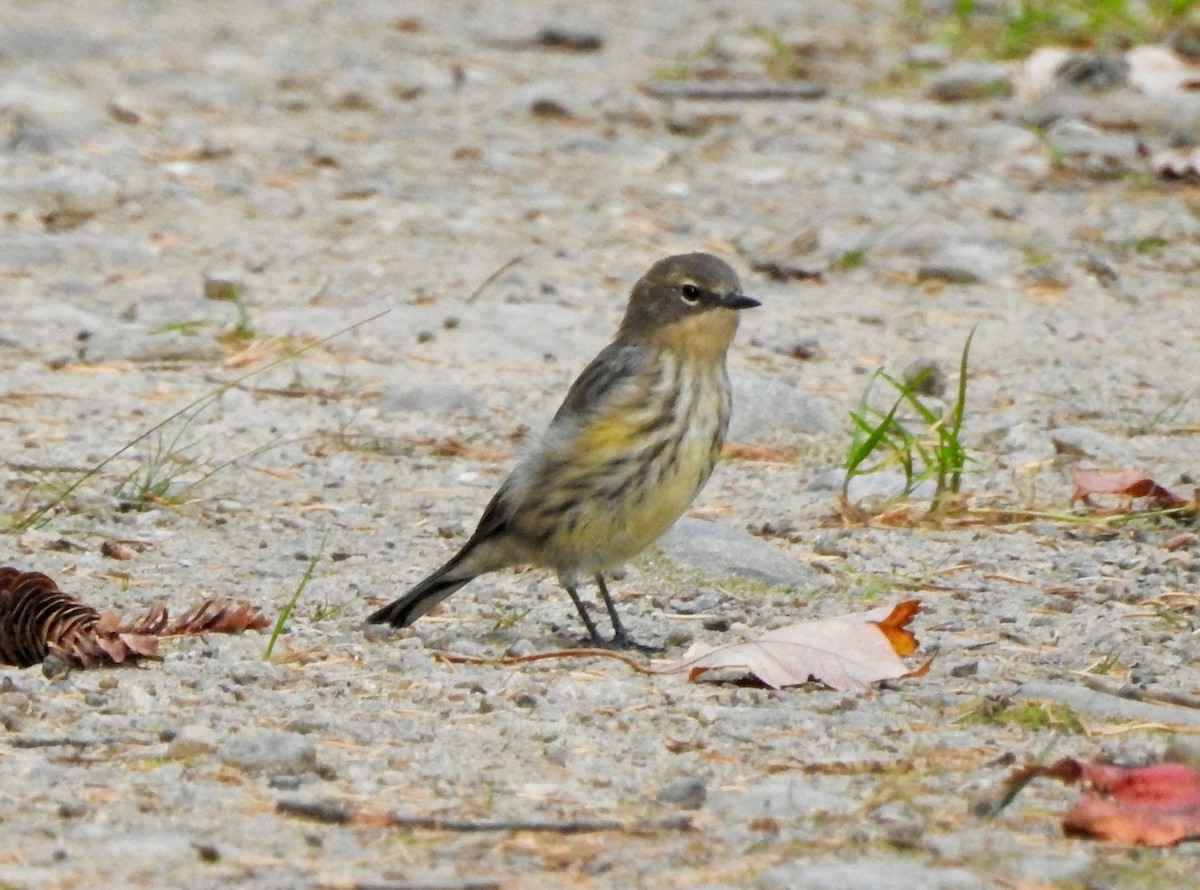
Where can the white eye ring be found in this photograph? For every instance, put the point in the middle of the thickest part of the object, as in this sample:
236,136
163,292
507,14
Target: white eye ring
690,294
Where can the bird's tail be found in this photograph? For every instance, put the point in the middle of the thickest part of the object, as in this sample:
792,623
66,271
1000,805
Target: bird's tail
423,597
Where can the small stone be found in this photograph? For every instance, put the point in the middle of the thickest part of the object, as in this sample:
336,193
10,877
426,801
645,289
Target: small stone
970,81
193,740
1081,441
549,109
722,550
686,792
1092,151
762,405
67,194
270,750
805,350
556,752
223,287
968,262
930,55
521,648
925,376
439,398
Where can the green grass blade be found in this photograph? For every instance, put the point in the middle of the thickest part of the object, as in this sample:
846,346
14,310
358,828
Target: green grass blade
286,612
36,517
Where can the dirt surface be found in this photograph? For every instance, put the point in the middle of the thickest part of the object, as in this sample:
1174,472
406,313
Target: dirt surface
496,194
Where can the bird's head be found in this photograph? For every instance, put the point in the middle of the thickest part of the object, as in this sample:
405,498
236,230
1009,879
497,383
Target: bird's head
688,304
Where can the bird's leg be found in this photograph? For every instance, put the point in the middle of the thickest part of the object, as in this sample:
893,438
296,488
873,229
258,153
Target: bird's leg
597,640
620,635
621,638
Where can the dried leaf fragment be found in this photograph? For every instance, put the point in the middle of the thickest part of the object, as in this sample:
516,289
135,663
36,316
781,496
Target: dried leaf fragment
847,653
1129,483
1155,805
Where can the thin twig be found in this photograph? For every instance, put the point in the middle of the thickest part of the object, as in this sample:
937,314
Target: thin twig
735,90
338,814
464,884
487,281
31,742
1165,698
456,658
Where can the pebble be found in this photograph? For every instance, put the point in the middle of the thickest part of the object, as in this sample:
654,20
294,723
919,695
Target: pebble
269,751
193,740
686,792
763,407
964,262
722,551
74,193
439,398
1080,441
970,81
865,874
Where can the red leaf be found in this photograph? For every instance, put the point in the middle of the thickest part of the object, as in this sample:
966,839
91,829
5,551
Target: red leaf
1130,483
1154,805
847,653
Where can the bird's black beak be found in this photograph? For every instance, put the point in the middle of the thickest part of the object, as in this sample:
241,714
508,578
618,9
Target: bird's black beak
738,301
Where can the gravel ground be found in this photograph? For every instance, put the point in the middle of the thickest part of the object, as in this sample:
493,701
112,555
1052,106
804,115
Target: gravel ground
497,198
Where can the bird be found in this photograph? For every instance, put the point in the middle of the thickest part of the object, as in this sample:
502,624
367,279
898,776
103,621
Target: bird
627,452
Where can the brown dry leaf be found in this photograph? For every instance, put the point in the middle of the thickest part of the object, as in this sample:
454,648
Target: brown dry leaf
1179,541
847,653
1129,483
1155,805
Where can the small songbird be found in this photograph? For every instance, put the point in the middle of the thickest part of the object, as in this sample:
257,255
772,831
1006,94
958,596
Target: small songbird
628,451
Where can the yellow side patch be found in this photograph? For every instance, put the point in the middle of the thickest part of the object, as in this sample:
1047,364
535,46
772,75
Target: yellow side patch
608,434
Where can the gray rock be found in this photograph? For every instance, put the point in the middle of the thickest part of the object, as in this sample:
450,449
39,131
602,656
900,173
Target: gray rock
1096,152
193,740
721,550
762,406
1099,705
967,262
878,486
1024,443
686,792
132,343
933,55
434,397
34,250
964,81
269,751
779,797
869,874
1080,441
153,851
75,192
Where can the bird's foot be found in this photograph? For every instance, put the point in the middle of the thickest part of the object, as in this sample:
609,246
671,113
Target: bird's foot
621,642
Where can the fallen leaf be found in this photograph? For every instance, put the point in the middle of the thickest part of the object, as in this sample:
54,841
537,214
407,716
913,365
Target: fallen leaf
1130,483
847,653
1155,805
1179,541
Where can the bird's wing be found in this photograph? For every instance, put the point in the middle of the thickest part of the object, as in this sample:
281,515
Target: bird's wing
610,377
617,365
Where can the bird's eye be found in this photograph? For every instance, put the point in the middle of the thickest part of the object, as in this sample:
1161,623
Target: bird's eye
690,293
